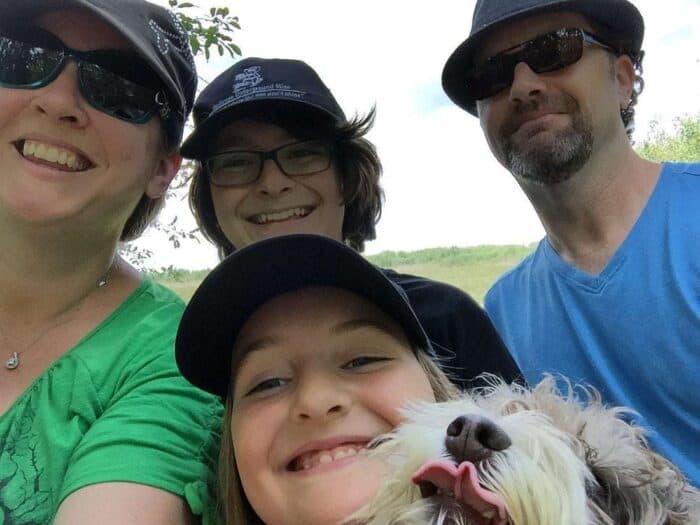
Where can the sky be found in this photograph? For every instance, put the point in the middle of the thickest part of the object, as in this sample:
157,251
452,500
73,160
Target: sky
442,185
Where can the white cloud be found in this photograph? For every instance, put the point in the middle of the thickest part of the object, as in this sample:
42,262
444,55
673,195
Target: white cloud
442,185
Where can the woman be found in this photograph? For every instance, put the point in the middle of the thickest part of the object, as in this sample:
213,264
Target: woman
97,426
324,179
315,351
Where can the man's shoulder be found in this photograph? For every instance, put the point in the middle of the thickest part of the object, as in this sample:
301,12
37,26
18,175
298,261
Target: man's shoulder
523,270
691,169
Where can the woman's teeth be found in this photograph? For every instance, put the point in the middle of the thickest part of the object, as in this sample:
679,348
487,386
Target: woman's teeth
53,154
264,218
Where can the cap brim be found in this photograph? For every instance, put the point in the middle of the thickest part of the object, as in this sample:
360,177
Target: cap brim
619,15
253,275
197,144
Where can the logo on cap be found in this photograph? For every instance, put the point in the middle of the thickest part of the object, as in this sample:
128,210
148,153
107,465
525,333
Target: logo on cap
250,85
248,78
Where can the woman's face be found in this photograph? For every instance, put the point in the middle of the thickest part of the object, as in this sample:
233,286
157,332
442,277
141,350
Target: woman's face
275,204
65,162
325,371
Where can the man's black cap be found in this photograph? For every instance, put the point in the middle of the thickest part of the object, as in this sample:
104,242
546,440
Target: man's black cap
621,20
155,32
253,81
261,271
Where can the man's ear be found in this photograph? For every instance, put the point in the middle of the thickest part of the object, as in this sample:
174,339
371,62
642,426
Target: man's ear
625,76
163,175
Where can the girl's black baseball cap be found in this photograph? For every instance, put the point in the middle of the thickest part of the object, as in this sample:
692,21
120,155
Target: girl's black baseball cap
253,275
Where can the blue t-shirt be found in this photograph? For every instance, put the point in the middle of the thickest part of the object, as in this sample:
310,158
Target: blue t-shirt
633,330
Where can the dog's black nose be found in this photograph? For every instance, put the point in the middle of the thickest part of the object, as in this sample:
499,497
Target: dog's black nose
473,438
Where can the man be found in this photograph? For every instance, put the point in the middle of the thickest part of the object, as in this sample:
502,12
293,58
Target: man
611,296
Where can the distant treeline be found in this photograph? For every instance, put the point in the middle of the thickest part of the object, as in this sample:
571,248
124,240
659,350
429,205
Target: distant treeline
453,256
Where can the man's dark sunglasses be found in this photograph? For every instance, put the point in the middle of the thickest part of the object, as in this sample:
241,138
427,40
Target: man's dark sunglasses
118,83
548,52
238,167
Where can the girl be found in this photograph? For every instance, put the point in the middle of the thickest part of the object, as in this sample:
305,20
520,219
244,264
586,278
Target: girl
314,350
323,178
97,426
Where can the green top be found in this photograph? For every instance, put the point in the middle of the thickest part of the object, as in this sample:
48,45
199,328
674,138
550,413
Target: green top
113,408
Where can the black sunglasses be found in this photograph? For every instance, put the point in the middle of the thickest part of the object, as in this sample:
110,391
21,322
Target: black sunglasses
118,83
239,167
545,53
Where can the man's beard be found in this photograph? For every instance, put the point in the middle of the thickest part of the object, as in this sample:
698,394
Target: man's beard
555,160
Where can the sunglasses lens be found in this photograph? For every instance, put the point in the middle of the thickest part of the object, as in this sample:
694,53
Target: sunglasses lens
25,65
116,95
115,82
553,51
543,54
495,75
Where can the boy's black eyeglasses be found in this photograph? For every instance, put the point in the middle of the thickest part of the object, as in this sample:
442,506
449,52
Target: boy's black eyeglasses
118,83
238,167
548,52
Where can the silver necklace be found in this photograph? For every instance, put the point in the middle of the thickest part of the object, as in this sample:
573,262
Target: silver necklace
13,361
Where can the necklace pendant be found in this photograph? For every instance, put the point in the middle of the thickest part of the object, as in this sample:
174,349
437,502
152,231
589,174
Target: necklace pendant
12,362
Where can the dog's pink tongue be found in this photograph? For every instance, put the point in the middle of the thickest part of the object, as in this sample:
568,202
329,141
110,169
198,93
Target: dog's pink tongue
463,481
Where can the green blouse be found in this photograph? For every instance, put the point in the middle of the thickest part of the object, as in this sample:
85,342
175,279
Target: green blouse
113,408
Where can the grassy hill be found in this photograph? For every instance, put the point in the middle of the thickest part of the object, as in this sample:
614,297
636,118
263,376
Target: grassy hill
471,269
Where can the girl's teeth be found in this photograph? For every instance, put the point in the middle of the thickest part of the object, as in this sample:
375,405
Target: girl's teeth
328,456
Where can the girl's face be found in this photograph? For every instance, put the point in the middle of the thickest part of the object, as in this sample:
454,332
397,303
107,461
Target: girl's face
325,371
275,204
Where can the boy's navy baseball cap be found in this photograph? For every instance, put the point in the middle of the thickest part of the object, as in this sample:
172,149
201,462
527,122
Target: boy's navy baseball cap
156,34
621,20
261,271
253,81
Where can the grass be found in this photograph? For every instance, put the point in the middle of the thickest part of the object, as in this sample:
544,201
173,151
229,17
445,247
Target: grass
473,269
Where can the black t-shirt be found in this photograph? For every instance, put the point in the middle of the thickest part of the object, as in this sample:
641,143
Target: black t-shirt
459,329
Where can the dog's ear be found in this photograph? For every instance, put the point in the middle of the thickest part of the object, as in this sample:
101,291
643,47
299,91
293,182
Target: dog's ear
652,490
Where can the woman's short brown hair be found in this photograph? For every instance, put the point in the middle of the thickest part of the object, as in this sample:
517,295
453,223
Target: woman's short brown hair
354,157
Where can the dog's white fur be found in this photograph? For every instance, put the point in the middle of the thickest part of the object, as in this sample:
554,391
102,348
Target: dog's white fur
572,461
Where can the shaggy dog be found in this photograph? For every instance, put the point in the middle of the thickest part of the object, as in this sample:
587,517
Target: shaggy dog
511,455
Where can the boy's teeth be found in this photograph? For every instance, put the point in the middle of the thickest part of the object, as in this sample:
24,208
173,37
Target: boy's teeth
39,150
264,218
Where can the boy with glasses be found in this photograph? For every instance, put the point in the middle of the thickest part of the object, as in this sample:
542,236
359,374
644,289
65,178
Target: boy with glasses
277,155
610,296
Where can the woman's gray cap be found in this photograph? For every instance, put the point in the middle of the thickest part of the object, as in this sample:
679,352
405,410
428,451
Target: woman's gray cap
621,20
